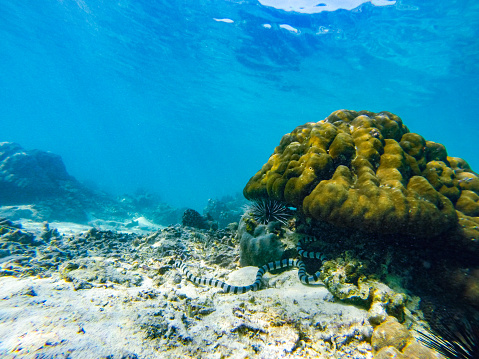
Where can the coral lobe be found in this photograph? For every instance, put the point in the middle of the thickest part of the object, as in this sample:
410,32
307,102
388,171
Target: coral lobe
366,171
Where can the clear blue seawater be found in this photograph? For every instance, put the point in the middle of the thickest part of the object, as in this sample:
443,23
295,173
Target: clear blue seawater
189,98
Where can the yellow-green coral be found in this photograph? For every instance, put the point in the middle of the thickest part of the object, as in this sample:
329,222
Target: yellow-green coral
346,279
366,170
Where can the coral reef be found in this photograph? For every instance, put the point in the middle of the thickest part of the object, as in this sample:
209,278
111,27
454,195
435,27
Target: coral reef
35,184
390,333
362,181
391,313
176,316
27,175
366,171
149,205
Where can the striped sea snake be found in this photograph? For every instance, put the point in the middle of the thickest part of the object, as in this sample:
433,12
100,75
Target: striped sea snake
227,288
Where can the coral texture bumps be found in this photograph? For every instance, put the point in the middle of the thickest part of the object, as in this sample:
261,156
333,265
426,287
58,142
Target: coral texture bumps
365,170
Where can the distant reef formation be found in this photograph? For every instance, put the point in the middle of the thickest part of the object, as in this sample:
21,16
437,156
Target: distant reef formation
27,176
35,185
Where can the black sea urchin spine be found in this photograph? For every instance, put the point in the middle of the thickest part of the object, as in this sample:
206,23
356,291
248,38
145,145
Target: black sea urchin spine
269,210
460,341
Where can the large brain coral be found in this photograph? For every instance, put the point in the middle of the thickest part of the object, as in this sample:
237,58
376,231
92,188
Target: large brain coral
366,171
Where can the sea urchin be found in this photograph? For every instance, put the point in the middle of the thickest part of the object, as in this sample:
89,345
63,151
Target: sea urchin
459,341
269,210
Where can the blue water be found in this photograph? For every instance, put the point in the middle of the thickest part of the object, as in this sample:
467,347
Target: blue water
189,98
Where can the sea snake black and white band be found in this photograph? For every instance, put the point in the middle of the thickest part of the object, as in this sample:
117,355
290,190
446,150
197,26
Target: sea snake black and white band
227,288
308,254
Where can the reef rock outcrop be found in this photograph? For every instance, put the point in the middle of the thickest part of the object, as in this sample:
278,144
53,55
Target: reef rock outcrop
30,175
366,171
259,243
35,184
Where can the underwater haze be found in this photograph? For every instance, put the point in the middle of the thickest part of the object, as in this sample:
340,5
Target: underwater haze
189,98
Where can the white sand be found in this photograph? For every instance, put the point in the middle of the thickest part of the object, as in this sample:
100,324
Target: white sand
60,322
